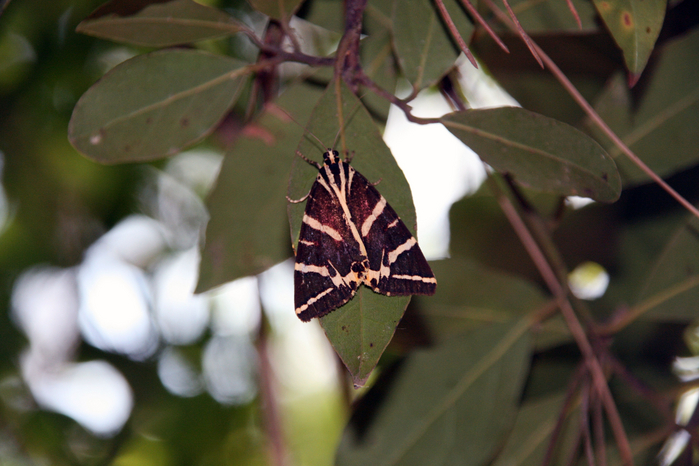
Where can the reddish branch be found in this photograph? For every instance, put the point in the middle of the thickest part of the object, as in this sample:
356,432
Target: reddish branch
455,32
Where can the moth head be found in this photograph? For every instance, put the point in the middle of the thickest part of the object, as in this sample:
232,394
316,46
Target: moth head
331,156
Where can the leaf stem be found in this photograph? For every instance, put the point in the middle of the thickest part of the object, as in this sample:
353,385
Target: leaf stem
455,32
475,14
568,404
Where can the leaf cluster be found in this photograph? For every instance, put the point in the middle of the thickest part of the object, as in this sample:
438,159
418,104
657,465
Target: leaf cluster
504,365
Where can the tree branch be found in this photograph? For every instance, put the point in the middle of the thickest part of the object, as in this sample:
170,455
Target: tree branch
576,329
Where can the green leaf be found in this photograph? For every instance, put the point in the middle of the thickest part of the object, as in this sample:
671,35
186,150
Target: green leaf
158,24
247,232
671,291
360,330
632,243
451,404
471,295
378,60
527,444
635,26
425,48
479,231
328,15
662,129
154,105
535,88
277,9
539,152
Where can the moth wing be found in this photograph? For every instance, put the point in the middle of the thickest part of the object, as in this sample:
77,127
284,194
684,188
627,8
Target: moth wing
326,251
398,266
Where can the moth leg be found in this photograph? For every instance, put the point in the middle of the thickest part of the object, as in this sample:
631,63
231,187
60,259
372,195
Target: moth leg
348,158
296,201
376,182
310,162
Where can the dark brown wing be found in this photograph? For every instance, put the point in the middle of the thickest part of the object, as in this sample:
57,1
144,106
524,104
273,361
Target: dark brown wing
323,280
397,264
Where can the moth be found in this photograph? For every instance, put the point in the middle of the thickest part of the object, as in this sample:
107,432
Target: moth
351,236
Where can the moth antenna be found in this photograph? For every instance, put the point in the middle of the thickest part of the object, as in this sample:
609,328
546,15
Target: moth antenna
319,141
309,161
322,146
351,115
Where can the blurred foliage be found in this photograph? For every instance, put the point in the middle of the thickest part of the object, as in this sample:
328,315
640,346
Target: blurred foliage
487,365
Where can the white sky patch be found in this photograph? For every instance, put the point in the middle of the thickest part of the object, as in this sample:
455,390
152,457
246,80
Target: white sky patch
45,306
230,367
196,169
93,393
181,316
480,89
577,202
137,239
439,168
177,374
114,306
236,307
301,356
277,295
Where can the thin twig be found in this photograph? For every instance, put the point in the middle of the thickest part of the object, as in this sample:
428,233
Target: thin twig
289,32
572,458
630,315
455,32
598,429
285,56
270,408
576,329
525,37
366,81
585,423
475,14
572,9
571,391
661,403
3,5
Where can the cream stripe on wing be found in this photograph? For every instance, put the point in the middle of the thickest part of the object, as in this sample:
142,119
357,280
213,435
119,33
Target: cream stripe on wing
322,270
322,182
416,278
350,170
378,210
339,195
302,308
393,255
316,225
